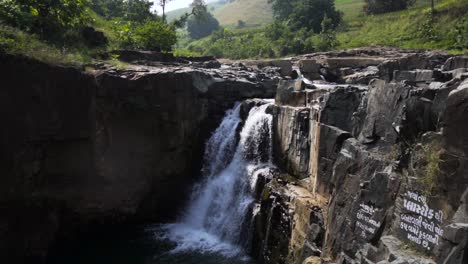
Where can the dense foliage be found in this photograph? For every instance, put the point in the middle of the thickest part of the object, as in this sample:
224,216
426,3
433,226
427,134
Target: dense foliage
130,23
267,42
201,24
44,16
385,6
307,14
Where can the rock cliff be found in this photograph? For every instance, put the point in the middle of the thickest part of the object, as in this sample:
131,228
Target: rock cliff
380,161
105,147
371,168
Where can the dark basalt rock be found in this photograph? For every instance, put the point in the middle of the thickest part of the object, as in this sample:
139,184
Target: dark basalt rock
107,149
377,155
93,37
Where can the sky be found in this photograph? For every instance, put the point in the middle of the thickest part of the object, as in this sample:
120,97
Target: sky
174,4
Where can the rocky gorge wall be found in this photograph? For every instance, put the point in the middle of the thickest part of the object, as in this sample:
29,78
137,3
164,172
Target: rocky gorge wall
108,147
372,172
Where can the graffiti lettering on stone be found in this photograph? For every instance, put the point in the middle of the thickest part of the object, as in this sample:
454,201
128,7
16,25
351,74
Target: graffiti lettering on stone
419,223
366,225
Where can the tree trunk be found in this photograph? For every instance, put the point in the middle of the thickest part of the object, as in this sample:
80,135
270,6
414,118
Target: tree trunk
164,11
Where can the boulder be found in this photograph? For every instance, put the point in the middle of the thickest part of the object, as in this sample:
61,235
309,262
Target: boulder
454,120
455,63
310,69
284,65
291,93
353,62
413,76
362,77
339,105
408,62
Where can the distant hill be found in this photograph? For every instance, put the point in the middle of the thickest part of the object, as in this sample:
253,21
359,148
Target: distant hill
229,12
212,7
252,12
259,12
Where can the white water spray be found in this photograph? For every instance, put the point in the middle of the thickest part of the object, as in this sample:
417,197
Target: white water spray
217,219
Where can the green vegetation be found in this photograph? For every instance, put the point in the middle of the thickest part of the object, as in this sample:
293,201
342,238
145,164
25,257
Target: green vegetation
307,14
54,30
255,13
202,23
416,27
427,161
16,41
447,28
176,14
76,31
385,6
267,42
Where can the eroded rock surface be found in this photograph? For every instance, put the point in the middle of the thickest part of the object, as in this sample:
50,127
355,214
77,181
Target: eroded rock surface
387,158
107,147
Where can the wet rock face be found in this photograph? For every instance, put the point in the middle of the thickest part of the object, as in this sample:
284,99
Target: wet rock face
390,158
109,148
291,150
290,224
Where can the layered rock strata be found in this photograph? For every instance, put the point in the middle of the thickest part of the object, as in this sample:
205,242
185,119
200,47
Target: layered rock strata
384,164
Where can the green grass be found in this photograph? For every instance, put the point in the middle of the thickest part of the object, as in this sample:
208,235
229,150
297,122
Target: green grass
253,12
403,29
174,14
352,9
15,41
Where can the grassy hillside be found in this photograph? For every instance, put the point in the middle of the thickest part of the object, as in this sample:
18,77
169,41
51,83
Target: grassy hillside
406,29
253,12
351,9
409,28
212,7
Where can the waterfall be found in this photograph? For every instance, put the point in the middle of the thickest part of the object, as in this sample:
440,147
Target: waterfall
219,214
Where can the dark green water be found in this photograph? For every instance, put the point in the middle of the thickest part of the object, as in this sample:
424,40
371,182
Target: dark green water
134,246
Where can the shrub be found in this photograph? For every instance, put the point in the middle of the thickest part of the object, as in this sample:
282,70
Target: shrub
427,30
44,16
326,40
385,6
460,33
426,162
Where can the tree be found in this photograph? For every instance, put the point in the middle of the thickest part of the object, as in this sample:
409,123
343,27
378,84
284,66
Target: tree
199,8
108,8
202,25
44,16
306,13
155,35
138,10
326,40
281,8
384,6
163,3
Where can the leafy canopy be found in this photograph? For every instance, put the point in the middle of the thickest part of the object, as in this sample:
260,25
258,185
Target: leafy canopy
44,16
307,14
202,23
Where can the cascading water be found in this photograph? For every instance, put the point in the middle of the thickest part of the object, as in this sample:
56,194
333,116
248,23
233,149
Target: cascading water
219,215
